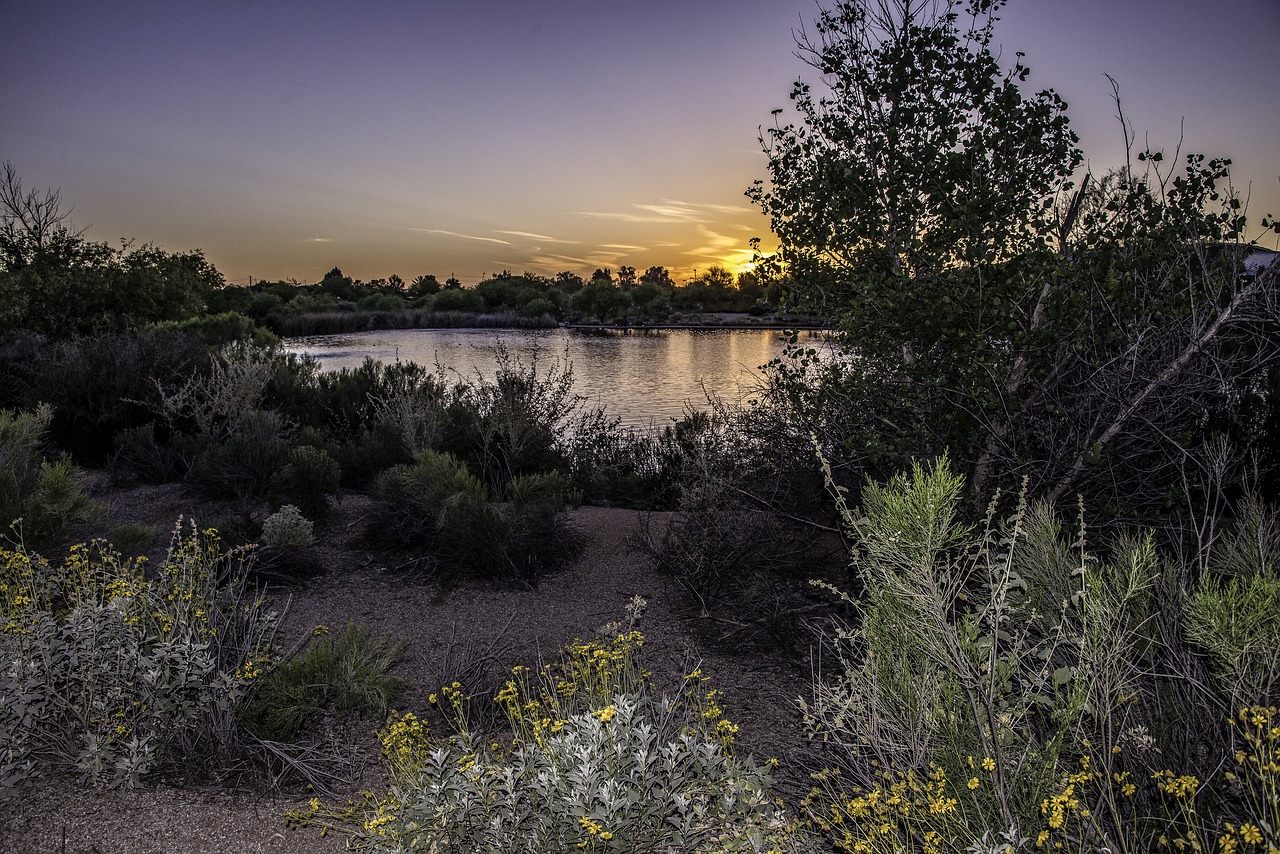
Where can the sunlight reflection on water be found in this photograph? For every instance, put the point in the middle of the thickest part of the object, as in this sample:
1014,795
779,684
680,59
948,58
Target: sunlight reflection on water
643,378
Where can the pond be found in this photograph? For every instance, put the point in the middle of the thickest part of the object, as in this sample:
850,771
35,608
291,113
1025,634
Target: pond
645,378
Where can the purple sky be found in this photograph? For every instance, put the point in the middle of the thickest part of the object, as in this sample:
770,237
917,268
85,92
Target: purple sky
462,137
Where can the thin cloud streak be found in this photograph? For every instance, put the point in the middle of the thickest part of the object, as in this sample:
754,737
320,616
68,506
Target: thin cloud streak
532,236
463,236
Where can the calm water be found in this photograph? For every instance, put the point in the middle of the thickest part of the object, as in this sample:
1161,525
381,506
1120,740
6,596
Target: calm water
643,378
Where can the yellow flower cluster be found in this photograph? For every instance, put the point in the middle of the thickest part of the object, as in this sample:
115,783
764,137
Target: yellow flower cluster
1182,786
900,813
404,741
594,830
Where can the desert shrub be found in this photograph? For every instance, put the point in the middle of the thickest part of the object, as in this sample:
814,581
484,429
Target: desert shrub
101,385
216,330
213,404
363,456
516,423
611,465
440,508
1006,684
288,528
413,405
41,496
598,761
537,537
131,538
116,676
243,463
139,456
347,674
722,548
1233,615
306,480
412,499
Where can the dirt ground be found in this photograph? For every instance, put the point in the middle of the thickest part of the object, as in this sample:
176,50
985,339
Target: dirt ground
477,630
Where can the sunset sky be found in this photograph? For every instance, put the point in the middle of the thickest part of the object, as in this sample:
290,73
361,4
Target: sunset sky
463,137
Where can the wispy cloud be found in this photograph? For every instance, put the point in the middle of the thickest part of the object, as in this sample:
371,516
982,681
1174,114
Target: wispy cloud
714,244
543,237
463,236
671,210
724,209
625,247
319,239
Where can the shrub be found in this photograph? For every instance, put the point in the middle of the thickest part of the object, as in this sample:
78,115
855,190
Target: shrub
437,505
1001,680
42,496
597,762
116,676
413,499
243,464
138,456
131,538
516,423
212,405
288,528
610,464
306,480
348,674
102,385
1234,613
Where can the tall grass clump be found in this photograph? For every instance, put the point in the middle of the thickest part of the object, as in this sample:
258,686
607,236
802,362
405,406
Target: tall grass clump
1002,686
346,674
590,758
38,498
117,674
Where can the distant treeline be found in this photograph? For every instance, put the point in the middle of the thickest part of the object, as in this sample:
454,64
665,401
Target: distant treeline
339,303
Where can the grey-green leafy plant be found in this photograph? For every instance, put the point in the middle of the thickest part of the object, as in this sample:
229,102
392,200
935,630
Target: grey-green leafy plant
288,528
597,761
114,673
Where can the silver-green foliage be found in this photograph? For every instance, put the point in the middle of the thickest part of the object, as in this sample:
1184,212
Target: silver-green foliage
288,527
628,782
114,675
1000,640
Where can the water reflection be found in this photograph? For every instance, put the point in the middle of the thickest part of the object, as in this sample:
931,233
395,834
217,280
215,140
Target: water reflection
644,378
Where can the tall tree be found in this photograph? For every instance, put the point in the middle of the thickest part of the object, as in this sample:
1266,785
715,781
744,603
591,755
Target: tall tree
924,200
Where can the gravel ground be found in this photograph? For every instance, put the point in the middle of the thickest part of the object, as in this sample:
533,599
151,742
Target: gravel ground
476,631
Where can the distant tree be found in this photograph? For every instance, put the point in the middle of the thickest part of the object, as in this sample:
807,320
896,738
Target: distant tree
424,286
340,286
627,276
29,220
657,276
601,299
716,277
55,282
452,284
602,274
568,282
